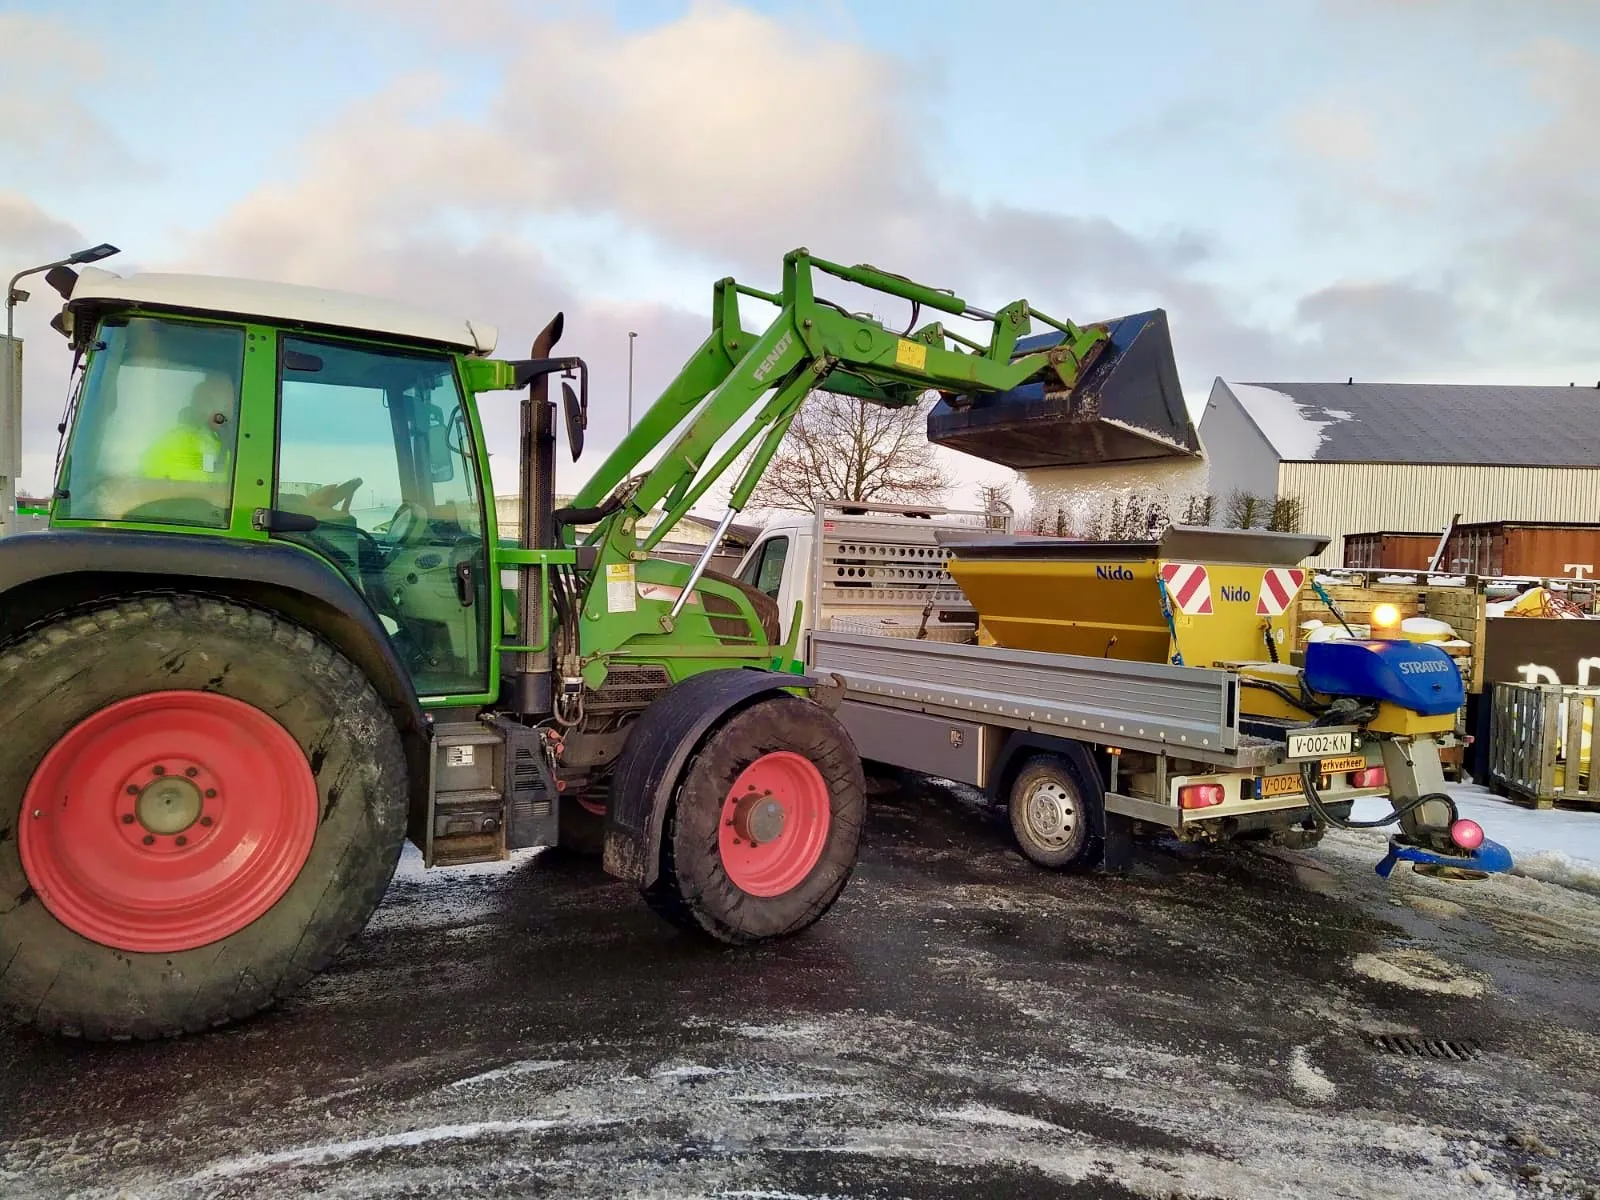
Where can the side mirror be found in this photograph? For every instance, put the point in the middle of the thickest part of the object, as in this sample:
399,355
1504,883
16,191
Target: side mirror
441,455
577,419
441,458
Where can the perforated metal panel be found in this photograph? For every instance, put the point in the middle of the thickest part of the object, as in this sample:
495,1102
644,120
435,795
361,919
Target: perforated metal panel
866,563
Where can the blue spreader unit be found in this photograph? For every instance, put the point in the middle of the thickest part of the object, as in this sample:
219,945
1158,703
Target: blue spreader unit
1421,678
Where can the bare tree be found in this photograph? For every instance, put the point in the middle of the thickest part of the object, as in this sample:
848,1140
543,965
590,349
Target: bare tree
1244,510
1198,510
1287,513
850,449
996,500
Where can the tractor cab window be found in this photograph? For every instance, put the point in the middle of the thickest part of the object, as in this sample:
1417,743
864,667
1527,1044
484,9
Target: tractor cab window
156,424
374,444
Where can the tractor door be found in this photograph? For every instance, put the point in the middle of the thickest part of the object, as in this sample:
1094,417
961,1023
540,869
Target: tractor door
375,444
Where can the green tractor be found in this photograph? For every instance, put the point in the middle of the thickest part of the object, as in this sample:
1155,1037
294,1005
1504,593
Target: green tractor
274,630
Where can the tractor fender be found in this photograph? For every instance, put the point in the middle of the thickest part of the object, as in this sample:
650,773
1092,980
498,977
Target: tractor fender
45,574
1022,746
652,762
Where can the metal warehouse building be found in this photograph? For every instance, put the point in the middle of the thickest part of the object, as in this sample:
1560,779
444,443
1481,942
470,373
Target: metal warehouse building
1375,456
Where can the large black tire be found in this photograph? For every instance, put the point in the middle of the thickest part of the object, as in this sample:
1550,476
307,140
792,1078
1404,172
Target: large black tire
1054,814
57,675
694,890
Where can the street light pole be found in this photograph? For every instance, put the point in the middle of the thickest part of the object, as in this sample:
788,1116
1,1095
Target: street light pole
11,455
631,336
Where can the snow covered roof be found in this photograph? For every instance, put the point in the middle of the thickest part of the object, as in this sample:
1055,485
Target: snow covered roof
1446,424
286,302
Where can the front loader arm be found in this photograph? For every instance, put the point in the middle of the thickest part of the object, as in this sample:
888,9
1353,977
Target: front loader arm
761,380
812,344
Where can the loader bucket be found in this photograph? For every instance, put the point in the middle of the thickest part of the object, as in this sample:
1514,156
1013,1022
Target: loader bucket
1128,407
1208,595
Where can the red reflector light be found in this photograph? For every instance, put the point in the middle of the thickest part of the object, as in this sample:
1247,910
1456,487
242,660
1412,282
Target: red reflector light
1201,795
1467,834
1371,777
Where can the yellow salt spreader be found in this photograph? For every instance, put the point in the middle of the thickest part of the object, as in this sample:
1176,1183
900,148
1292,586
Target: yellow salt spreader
1357,714
1096,690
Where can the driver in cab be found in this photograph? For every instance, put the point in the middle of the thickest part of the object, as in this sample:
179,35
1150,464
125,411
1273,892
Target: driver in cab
199,447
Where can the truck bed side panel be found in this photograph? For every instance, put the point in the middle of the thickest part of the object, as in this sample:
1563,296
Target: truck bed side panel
1149,706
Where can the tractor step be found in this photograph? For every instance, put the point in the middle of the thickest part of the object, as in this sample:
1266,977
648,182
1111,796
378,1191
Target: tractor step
490,792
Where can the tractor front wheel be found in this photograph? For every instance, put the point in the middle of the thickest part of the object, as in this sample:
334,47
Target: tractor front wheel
205,802
764,831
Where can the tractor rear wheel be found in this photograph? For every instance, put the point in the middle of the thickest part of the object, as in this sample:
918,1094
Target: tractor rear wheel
202,803
765,828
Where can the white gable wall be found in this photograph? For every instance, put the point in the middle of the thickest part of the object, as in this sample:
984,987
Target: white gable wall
1242,460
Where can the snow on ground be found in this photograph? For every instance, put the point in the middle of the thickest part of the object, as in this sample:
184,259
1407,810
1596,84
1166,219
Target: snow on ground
1556,845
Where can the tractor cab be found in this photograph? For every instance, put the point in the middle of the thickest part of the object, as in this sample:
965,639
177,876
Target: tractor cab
260,412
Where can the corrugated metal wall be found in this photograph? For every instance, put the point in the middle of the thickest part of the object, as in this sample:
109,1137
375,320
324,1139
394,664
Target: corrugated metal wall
1343,498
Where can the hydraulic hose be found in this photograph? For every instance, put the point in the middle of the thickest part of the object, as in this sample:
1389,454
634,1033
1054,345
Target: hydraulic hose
1281,693
1314,798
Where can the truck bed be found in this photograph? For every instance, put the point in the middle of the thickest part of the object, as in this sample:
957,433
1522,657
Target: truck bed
1190,712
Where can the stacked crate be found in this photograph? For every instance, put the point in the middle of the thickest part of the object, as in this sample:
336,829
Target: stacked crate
1463,608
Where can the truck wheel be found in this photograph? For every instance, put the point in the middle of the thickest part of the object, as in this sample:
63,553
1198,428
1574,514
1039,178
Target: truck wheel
764,830
1051,815
200,803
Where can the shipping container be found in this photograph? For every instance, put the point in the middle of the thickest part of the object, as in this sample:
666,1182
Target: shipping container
1538,550
1341,496
1399,551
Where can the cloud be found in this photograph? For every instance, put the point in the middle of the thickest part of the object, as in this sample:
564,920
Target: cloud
1336,130
1538,198
688,134
27,231
693,127
716,141
1386,329
46,130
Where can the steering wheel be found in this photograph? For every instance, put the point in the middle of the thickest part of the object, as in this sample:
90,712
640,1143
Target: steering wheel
414,528
335,495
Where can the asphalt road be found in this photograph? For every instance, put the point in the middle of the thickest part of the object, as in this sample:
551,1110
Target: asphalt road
962,1025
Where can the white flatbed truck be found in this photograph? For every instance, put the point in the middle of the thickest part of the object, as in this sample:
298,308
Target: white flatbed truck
1084,752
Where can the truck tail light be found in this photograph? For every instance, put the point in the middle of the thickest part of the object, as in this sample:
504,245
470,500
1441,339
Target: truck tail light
1201,795
1372,777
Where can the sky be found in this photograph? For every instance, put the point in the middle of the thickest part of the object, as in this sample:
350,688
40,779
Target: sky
1394,190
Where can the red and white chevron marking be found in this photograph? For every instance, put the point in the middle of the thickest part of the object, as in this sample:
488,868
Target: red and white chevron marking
1278,587
1189,586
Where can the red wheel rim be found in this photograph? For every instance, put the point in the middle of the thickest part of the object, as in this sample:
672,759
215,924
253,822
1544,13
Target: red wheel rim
774,824
168,821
